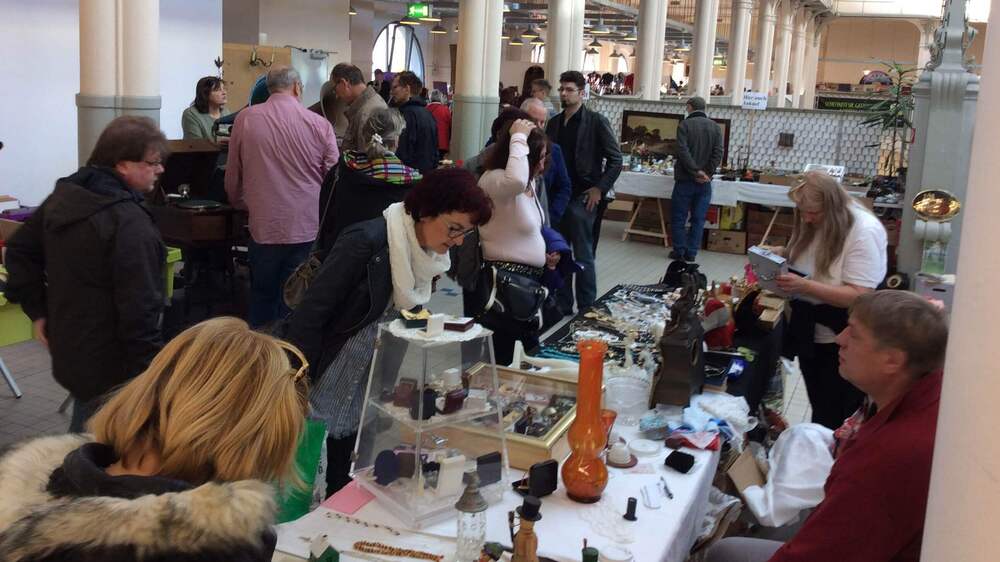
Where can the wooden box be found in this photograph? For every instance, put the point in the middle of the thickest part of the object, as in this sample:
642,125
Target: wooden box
522,450
727,241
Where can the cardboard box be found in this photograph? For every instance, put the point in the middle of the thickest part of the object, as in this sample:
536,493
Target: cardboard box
746,472
773,240
619,210
712,217
776,230
727,241
731,218
764,216
7,228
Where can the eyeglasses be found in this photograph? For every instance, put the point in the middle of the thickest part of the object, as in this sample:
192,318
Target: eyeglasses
295,356
455,231
569,90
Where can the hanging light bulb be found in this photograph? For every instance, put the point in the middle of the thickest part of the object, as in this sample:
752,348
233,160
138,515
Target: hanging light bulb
439,30
601,29
595,44
351,11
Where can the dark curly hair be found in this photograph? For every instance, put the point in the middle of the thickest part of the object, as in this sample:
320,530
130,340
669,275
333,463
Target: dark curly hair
449,190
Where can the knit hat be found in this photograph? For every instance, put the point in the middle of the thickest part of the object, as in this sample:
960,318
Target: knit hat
697,103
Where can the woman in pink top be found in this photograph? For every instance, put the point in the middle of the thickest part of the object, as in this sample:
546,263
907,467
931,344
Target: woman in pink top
512,242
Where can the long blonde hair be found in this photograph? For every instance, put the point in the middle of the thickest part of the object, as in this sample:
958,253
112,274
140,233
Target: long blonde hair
821,191
219,402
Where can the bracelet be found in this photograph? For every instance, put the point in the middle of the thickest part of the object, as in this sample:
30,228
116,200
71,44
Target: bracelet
379,548
349,519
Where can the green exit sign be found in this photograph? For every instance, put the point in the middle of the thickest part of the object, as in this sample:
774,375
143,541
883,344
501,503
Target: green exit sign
418,10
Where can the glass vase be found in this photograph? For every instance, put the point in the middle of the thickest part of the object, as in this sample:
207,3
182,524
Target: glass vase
471,536
584,474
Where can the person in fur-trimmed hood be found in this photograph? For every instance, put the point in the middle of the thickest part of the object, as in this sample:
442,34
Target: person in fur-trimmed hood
177,465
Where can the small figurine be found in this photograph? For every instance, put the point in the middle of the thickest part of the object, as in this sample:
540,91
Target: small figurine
526,541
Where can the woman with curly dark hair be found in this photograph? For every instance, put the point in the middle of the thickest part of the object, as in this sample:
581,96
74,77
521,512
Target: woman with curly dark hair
375,268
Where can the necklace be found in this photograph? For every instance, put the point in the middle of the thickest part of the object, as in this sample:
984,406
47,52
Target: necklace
379,548
355,521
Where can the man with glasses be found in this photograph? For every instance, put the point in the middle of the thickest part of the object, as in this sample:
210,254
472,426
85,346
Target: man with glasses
418,146
361,100
594,160
87,266
279,153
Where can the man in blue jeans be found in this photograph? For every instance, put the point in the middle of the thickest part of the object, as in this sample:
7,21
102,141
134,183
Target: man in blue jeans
594,160
699,153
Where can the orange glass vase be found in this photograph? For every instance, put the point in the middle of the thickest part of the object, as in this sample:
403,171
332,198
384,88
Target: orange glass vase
584,473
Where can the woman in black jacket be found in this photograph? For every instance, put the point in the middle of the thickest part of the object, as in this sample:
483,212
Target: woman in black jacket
389,260
365,183
178,464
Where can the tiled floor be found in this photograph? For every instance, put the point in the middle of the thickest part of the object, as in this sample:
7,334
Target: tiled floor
617,262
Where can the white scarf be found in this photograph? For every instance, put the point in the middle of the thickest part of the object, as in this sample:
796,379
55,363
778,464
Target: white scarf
413,268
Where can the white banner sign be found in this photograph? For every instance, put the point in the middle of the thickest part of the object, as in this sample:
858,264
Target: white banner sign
755,100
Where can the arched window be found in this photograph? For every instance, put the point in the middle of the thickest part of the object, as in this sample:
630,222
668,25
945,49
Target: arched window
397,49
538,54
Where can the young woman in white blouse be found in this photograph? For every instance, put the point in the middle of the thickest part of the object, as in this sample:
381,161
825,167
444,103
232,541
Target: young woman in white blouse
838,252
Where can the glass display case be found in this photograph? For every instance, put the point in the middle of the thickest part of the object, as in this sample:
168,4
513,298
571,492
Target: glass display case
433,408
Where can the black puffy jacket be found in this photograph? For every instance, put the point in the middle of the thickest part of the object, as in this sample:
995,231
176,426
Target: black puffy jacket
90,261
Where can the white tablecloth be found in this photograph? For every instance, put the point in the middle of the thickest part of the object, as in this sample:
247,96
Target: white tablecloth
726,193
664,534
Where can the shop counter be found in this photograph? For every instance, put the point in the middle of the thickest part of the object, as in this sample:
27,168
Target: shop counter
659,535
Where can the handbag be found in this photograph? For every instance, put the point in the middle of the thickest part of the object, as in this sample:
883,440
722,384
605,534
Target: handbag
511,300
295,287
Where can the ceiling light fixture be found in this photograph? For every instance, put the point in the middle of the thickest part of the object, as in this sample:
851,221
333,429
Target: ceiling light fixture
601,29
530,33
409,21
439,30
431,18
630,36
351,11
595,44
516,41
593,51
537,41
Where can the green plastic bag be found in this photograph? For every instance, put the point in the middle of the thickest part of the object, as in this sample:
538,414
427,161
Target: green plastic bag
294,502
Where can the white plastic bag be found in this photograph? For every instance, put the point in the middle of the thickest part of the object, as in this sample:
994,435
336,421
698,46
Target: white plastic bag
800,462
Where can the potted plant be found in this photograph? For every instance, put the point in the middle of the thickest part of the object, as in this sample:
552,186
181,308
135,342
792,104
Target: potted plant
892,115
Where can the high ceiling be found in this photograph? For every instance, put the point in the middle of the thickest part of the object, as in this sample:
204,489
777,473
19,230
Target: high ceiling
618,15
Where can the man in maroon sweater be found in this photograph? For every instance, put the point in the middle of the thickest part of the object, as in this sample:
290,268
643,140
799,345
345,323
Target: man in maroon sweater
875,497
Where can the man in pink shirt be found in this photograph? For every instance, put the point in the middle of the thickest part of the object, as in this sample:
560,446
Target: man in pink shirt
278,155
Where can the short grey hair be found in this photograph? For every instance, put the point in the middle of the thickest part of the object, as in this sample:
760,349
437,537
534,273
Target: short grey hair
529,102
438,96
282,78
388,125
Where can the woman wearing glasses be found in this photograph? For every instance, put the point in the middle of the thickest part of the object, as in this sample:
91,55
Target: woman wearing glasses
177,463
839,247
512,244
375,268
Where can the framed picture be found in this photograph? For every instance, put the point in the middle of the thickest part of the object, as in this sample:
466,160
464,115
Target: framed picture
656,134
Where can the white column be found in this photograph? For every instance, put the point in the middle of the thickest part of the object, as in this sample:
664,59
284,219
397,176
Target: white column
927,28
798,55
477,76
140,47
704,48
766,19
739,43
814,41
710,53
782,53
649,55
964,502
564,47
119,65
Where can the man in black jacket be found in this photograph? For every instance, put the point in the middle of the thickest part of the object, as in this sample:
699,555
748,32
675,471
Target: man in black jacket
87,267
418,145
699,153
594,160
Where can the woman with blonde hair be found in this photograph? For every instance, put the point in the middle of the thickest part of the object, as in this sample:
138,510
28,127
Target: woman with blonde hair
837,252
177,463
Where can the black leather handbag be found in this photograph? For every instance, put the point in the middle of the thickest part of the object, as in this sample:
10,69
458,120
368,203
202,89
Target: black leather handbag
510,299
